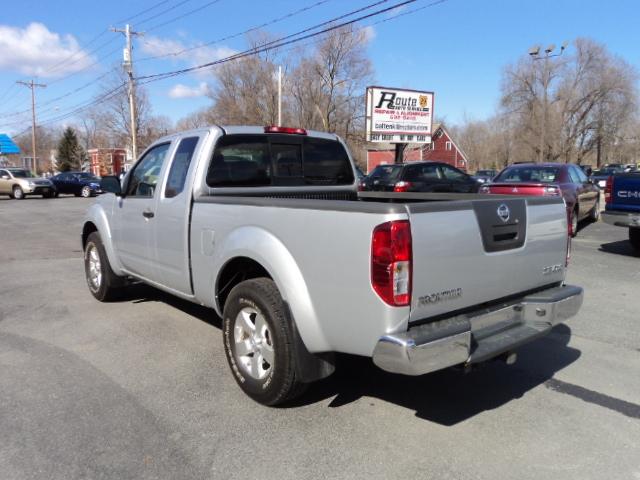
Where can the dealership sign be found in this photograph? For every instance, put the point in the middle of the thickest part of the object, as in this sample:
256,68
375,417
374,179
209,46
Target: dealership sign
399,116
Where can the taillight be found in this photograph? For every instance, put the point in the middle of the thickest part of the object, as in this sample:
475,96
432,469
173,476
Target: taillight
391,262
402,186
288,130
608,190
361,186
551,191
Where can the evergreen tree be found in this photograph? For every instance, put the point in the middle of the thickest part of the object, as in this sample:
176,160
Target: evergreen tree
70,152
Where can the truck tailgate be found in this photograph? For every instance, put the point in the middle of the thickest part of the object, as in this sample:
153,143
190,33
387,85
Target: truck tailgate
625,193
470,252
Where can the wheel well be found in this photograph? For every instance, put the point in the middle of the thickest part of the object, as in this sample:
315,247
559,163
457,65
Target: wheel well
87,230
235,271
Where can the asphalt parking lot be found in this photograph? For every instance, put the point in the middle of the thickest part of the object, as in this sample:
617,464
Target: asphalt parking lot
140,388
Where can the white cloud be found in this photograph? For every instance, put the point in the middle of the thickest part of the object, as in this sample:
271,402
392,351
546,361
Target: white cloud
36,51
184,91
369,33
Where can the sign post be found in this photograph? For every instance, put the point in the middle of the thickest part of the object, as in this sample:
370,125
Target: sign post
399,116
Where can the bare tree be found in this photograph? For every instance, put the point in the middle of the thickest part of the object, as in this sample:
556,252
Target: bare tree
246,92
114,116
591,95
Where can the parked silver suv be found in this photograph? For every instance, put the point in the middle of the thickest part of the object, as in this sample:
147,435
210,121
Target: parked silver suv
20,182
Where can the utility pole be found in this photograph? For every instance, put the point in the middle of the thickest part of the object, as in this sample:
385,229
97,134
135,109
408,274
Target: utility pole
32,85
128,66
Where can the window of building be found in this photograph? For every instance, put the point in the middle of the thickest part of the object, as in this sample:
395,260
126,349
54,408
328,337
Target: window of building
448,146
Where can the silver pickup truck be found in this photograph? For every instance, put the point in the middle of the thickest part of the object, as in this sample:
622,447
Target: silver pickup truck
265,225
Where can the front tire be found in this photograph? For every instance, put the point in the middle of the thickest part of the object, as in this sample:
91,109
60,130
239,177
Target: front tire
594,215
85,192
103,283
258,341
634,238
17,193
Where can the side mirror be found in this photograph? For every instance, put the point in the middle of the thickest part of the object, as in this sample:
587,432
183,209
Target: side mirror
111,184
5,177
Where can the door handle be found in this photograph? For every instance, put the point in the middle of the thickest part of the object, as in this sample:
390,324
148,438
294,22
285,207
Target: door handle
147,214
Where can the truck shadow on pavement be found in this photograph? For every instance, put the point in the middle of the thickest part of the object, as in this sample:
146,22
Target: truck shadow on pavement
446,397
449,396
621,247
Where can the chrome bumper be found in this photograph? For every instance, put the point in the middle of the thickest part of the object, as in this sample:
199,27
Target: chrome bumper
477,336
621,219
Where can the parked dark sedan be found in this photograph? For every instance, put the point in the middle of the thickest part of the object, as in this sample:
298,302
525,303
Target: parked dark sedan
484,176
419,177
81,184
580,194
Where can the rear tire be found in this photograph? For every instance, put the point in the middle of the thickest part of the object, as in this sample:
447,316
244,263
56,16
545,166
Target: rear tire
574,221
634,238
258,339
103,283
17,193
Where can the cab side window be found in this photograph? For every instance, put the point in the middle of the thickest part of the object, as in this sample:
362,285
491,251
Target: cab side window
145,175
180,167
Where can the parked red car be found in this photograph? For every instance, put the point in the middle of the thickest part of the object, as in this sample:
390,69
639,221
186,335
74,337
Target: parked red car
580,194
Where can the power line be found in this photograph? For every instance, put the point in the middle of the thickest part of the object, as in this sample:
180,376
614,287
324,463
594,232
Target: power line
153,17
191,12
57,66
289,39
235,35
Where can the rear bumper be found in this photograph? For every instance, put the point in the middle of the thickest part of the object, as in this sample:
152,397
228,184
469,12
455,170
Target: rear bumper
478,336
621,219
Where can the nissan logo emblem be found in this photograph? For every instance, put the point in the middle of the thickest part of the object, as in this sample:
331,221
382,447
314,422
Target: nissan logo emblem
503,213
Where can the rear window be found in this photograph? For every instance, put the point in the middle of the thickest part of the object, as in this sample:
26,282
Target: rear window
386,172
529,174
261,160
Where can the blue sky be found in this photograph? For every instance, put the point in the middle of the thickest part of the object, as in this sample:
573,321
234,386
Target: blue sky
456,49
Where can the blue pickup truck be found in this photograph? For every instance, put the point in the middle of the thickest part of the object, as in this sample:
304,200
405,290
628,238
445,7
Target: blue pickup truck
622,197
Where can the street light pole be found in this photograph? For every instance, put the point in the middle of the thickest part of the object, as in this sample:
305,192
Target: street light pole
545,86
546,74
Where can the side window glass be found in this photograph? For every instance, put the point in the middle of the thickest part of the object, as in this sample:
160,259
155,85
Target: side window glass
412,174
452,174
581,175
240,161
574,175
180,166
145,176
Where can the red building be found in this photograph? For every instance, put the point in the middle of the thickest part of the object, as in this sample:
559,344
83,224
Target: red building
107,161
441,149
